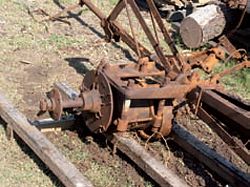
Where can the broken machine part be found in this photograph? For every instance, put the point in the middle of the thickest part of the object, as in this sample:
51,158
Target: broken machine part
139,96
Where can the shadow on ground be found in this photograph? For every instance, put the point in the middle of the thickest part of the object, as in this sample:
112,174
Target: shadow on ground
78,64
76,16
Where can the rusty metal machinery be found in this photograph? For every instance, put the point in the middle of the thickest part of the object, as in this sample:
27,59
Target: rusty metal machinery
137,96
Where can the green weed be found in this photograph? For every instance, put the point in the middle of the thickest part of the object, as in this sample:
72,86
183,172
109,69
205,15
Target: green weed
238,81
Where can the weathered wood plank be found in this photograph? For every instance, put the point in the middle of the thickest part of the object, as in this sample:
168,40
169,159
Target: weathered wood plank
154,168
239,149
44,149
210,158
234,112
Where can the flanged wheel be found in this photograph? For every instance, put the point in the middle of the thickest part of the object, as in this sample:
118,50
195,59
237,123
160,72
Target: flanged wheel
56,102
99,122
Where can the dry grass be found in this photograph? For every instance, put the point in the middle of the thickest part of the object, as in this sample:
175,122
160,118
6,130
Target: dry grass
18,168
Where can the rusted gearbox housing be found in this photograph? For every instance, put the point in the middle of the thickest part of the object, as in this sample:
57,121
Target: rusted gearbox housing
125,96
140,95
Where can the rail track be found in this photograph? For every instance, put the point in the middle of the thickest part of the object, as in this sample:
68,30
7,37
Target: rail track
138,154
228,117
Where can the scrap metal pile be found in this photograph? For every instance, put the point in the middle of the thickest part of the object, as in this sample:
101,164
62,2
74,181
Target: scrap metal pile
145,96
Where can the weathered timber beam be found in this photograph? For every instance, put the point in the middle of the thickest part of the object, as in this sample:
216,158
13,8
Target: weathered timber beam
44,149
154,168
210,158
231,111
223,134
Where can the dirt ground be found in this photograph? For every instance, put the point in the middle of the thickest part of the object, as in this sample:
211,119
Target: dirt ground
33,56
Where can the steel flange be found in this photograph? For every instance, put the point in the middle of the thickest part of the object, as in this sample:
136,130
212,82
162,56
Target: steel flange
100,121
